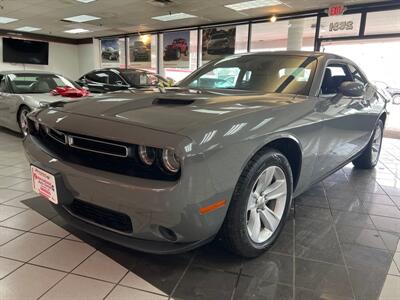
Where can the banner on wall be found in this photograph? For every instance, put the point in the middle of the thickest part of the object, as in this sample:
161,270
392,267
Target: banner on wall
140,51
110,52
217,42
176,49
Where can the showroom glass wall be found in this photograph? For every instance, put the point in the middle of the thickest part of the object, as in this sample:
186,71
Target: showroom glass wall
373,43
175,54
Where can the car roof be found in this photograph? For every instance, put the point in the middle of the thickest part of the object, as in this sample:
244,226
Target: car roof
121,70
298,53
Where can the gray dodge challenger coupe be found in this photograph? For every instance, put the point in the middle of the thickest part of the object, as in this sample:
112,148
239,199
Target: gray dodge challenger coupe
24,91
223,153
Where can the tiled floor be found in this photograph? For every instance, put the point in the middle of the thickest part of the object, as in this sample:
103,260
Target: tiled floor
341,242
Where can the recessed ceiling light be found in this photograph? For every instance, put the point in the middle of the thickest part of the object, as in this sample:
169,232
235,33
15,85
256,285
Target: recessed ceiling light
85,1
77,30
5,20
172,17
253,4
81,18
28,29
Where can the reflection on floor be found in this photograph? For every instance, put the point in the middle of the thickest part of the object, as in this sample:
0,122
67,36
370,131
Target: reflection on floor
341,242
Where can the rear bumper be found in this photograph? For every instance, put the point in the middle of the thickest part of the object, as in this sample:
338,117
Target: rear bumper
149,204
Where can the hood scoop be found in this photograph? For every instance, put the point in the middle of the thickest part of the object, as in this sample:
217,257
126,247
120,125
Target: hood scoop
169,101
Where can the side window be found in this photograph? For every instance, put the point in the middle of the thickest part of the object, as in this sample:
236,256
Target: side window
113,78
357,76
334,75
99,77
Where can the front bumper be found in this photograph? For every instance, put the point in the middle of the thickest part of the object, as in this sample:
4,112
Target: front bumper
150,204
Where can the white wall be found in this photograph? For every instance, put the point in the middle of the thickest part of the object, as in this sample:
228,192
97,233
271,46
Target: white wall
69,60
89,57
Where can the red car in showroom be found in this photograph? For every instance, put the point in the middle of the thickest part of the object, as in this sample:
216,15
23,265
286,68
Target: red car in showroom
176,49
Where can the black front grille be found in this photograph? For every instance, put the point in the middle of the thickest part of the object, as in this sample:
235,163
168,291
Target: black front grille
115,157
97,146
101,216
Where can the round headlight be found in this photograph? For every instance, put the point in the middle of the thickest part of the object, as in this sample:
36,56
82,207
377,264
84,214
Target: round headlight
147,155
171,160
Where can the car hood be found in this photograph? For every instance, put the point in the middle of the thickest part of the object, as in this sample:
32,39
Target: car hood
46,97
175,110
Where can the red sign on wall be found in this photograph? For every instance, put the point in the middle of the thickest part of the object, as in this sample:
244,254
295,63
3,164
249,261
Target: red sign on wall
336,10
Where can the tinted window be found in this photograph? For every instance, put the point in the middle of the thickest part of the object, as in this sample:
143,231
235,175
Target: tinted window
287,74
333,77
113,78
140,78
357,75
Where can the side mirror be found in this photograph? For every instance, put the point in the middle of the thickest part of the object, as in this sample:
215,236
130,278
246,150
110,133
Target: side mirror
352,89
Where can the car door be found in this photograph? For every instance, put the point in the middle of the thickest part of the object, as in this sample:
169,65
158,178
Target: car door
345,127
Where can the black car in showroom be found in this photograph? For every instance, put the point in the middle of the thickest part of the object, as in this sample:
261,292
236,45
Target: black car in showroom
116,79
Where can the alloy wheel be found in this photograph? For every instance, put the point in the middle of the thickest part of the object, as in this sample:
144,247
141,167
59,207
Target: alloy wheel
376,144
266,204
23,121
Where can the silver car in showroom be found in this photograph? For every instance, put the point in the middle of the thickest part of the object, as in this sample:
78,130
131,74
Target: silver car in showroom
222,154
24,91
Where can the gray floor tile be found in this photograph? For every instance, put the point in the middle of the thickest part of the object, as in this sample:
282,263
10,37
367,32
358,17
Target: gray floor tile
366,285
255,288
386,224
200,283
360,236
352,219
323,277
270,267
125,293
366,258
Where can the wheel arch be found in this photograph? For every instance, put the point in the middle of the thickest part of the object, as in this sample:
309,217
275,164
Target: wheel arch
290,148
383,117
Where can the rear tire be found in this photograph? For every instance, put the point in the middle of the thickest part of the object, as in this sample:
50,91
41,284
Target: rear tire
370,155
22,119
259,206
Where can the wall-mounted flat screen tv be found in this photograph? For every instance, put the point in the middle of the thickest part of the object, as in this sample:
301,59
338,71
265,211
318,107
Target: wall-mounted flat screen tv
25,51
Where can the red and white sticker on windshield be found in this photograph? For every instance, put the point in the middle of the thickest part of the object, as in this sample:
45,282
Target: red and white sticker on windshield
44,184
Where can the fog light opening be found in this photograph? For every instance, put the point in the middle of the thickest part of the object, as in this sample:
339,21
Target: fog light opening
168,234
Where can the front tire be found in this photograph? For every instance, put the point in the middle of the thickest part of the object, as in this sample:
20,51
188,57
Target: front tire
260,205
370,155
23,120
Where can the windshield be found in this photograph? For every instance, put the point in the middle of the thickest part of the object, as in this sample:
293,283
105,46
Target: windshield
140,78
286,74
38,83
